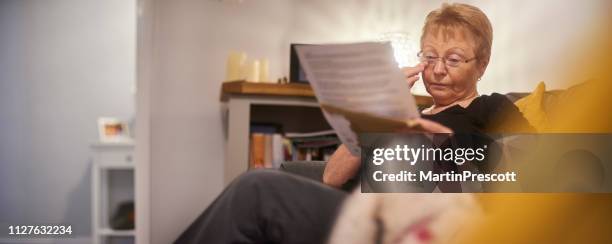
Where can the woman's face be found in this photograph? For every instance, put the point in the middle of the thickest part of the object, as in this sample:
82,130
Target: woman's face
448,84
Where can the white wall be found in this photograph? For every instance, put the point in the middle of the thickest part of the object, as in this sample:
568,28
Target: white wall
191,40
63,63
530,37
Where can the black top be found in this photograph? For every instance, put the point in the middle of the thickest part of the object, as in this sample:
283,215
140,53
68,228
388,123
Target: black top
475,126
486,114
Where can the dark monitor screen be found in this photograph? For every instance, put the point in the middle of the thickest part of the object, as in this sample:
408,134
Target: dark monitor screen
296,73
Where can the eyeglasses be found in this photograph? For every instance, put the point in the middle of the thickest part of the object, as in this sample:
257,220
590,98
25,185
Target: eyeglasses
452,60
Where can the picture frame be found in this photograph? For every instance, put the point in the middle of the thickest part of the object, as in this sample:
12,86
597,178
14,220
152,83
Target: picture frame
113,130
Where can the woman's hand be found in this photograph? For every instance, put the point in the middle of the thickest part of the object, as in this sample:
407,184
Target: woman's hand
427,126
412,73
341,167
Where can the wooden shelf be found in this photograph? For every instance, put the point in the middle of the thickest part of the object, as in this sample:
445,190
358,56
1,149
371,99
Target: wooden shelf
266,89
291,89
423,101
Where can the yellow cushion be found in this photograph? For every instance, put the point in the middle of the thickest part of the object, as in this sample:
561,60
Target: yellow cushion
532,108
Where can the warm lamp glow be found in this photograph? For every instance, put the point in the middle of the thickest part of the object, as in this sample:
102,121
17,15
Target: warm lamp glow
405,48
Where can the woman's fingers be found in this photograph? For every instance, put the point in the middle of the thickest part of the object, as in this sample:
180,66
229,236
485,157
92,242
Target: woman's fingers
425,125
411,80
412,73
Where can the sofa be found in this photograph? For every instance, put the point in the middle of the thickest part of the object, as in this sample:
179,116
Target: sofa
314,169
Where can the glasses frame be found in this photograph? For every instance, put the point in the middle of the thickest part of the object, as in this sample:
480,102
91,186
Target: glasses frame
445,61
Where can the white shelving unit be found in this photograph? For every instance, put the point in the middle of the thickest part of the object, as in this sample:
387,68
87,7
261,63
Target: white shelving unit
241,111
112,183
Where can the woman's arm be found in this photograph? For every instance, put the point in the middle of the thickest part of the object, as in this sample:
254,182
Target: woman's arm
341,167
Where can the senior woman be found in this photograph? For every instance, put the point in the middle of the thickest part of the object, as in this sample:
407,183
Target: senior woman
455,51
266,206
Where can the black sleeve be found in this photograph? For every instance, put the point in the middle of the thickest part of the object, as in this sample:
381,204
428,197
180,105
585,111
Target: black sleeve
503,116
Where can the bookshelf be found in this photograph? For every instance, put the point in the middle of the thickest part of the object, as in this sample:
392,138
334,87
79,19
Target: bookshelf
292,105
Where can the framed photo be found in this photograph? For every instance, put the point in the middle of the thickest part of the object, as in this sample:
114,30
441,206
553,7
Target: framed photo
113,130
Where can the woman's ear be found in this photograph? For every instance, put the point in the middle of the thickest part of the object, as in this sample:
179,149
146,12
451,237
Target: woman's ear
482,66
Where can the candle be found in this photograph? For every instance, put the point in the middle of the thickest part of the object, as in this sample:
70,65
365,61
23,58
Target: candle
235,61
252,73
264,70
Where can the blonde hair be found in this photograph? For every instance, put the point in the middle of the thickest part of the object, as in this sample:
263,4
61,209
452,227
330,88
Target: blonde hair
457,15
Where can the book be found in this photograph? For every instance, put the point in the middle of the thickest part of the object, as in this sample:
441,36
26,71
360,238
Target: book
278,150
269,148
268,151
257,151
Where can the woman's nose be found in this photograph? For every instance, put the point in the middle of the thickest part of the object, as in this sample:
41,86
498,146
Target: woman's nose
439,67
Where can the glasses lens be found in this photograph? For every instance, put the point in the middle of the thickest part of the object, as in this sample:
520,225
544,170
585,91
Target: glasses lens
452,62
429,58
